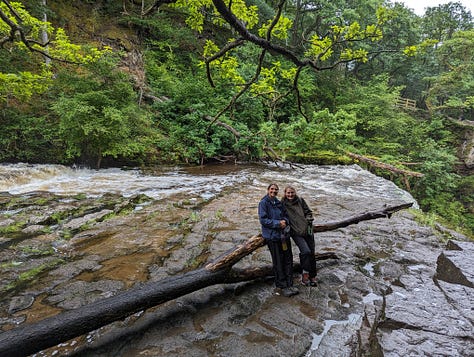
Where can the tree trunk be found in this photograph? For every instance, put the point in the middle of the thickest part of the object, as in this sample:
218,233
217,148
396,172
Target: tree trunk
391,168
31,338
386,212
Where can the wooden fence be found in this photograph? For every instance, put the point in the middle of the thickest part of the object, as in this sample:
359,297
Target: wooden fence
406,103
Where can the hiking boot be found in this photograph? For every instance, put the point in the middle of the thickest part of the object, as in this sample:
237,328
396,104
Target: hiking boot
289,292
313,281
294,289
305,279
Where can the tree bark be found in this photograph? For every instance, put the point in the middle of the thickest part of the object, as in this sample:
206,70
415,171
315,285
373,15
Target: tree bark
34,337
384,166
386,212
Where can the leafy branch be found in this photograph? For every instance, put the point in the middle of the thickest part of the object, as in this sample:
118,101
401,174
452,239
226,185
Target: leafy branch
319,52
19,31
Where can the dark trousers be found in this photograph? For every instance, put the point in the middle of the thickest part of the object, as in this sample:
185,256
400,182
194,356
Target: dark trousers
306,246
282,263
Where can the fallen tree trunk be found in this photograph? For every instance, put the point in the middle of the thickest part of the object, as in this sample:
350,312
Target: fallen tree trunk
31,338
391,168
384,166
384,213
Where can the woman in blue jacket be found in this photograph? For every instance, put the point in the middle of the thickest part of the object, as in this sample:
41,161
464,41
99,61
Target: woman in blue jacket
275,229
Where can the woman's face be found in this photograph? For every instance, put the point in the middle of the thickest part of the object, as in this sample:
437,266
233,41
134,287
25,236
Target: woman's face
273,191
290,194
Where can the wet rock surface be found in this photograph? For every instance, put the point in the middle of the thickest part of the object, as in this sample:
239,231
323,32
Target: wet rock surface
397,287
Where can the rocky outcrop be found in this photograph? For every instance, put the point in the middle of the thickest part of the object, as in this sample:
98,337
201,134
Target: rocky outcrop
455,264
393,288
432,312
465,130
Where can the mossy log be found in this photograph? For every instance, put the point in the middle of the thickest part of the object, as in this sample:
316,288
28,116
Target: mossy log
374,163
34,337
384,166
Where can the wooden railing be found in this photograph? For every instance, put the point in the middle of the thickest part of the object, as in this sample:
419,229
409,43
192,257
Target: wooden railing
406,103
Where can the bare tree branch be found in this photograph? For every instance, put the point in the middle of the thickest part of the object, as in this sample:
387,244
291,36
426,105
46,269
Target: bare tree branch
243,90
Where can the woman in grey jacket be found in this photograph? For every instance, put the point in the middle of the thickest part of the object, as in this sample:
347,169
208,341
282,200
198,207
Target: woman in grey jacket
301,223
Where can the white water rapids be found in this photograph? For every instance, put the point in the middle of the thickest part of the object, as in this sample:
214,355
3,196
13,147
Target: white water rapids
204,182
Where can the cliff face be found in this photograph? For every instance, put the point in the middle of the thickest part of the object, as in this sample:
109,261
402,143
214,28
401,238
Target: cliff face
466,147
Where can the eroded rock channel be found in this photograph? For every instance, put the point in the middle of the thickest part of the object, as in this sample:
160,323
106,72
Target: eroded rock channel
397,288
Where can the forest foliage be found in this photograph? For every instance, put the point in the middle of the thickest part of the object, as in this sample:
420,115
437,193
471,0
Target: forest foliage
121,82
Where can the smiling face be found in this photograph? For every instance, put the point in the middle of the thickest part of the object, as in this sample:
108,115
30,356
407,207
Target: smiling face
272,190
290,193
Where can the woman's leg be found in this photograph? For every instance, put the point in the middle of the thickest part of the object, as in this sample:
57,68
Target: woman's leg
288,264
305,258
311,260
279,264
305,252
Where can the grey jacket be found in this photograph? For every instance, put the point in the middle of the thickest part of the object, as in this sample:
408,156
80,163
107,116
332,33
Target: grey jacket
300,215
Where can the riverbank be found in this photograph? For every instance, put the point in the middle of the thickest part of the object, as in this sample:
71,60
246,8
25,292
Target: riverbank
386,269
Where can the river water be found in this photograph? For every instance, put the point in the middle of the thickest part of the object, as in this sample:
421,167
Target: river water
205,182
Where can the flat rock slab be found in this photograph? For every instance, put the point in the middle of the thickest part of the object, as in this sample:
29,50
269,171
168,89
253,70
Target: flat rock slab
432,314
422,305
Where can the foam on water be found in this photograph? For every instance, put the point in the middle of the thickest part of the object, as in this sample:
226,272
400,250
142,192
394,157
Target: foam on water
205,183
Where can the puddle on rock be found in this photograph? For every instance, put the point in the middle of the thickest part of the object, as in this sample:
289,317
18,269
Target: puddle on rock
39,310
370,298
369,268
129,269
353,319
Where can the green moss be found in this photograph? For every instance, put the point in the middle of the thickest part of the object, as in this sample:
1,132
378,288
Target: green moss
219,214
324,157
57,217
67,234
435,221
12,264
40,201
13,228
31,275
80,196
194,217
37,251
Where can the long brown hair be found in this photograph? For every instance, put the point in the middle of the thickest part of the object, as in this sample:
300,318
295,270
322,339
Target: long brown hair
273,184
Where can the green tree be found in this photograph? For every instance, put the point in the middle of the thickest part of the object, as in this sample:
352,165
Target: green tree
99,115
338,41
452,92
403,31
22,36
442,21
438,24
28,135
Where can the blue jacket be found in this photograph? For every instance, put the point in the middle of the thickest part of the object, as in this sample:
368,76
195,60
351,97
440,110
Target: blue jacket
270,214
